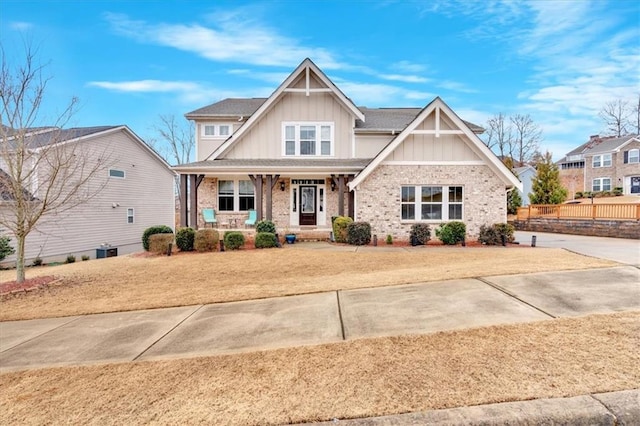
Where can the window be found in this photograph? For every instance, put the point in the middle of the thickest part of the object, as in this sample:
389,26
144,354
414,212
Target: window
130,216
633,156
235,195
116,173
434,203
308,139
216,130
601,184
603,160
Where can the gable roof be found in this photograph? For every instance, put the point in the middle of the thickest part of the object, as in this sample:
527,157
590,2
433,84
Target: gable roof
305,67
376,119
6,194
610,144
439,106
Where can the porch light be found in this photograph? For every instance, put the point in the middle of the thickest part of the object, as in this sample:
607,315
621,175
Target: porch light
282,185
333,185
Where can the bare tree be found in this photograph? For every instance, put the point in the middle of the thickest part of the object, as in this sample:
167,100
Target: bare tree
636,117
499,136
178,138
526,138
615,115
42,175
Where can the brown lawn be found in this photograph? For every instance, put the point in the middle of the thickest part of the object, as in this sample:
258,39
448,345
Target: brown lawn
369,377
134,282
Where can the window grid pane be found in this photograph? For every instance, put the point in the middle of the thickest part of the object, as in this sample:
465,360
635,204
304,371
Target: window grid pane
606,184
224,130
408,194
596,185
408,211
246,187
209,130
455,211
325,148
431,211
634,156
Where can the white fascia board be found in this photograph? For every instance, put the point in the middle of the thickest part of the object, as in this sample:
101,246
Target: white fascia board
626,143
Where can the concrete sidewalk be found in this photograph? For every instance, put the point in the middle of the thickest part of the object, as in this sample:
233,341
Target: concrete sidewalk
315,318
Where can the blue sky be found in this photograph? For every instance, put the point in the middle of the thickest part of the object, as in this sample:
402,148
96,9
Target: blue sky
130,61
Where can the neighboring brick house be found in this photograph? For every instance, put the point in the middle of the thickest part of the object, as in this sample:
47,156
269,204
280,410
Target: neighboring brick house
602,164
307,153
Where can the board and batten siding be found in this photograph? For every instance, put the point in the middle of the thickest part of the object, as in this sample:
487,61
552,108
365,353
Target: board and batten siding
264,140
368,146
446,148
205,145
148,188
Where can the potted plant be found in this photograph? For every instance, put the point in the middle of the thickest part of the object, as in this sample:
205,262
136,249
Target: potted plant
289,236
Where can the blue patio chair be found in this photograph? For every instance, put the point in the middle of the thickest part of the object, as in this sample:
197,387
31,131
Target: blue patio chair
209,216
253,216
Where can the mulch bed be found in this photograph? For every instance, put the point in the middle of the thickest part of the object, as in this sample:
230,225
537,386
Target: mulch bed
28,285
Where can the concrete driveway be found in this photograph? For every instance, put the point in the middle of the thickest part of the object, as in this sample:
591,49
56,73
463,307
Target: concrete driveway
621,250
315,318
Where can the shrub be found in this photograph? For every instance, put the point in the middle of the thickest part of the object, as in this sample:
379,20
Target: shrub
265,226
340,225
5,248
358,233
160,243
85,257
152,230
579,194
587,194
184,239
389,239
37,261
71,259
206,240
421,232
266,240
492,235
233,240
451,233
617,191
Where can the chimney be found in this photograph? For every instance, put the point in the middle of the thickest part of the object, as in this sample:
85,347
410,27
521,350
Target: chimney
594,138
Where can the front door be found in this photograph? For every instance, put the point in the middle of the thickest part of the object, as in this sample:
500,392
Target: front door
635,185
307,205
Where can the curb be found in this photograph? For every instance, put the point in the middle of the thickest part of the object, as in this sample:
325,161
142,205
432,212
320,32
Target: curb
612,408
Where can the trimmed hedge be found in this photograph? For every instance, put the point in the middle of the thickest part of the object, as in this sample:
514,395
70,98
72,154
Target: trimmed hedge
5,248
422,233
340,224
266,240
206,240
159,243
492,235
266,226
358,233
451,233
233,240
185,238
152,230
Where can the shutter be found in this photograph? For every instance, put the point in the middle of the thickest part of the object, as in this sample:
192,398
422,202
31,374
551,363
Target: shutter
626,157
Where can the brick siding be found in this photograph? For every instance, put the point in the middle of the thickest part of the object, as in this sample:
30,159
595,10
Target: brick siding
378,197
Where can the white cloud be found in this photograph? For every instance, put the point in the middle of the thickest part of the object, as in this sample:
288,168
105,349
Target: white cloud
408,67
404,78
21,26
146,86
229,39
455,86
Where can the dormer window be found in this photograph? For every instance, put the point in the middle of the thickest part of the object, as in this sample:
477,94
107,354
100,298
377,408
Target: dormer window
307,139
210,130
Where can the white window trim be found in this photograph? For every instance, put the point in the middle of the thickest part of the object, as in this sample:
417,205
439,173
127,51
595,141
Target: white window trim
637,151
601,159
318,125
236,195
417,212
117,177
132,215
216,131
601,182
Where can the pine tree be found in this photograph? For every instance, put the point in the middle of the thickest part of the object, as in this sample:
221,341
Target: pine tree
513,201
546,186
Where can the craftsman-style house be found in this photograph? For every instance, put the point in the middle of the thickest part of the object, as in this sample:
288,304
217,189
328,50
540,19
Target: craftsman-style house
307,153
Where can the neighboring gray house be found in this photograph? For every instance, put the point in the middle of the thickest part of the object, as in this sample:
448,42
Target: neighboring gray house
138,192
307,153
526,175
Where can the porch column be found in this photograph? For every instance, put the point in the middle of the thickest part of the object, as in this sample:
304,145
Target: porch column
351,200
257,185
271,182
193,196
340,195
184,205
